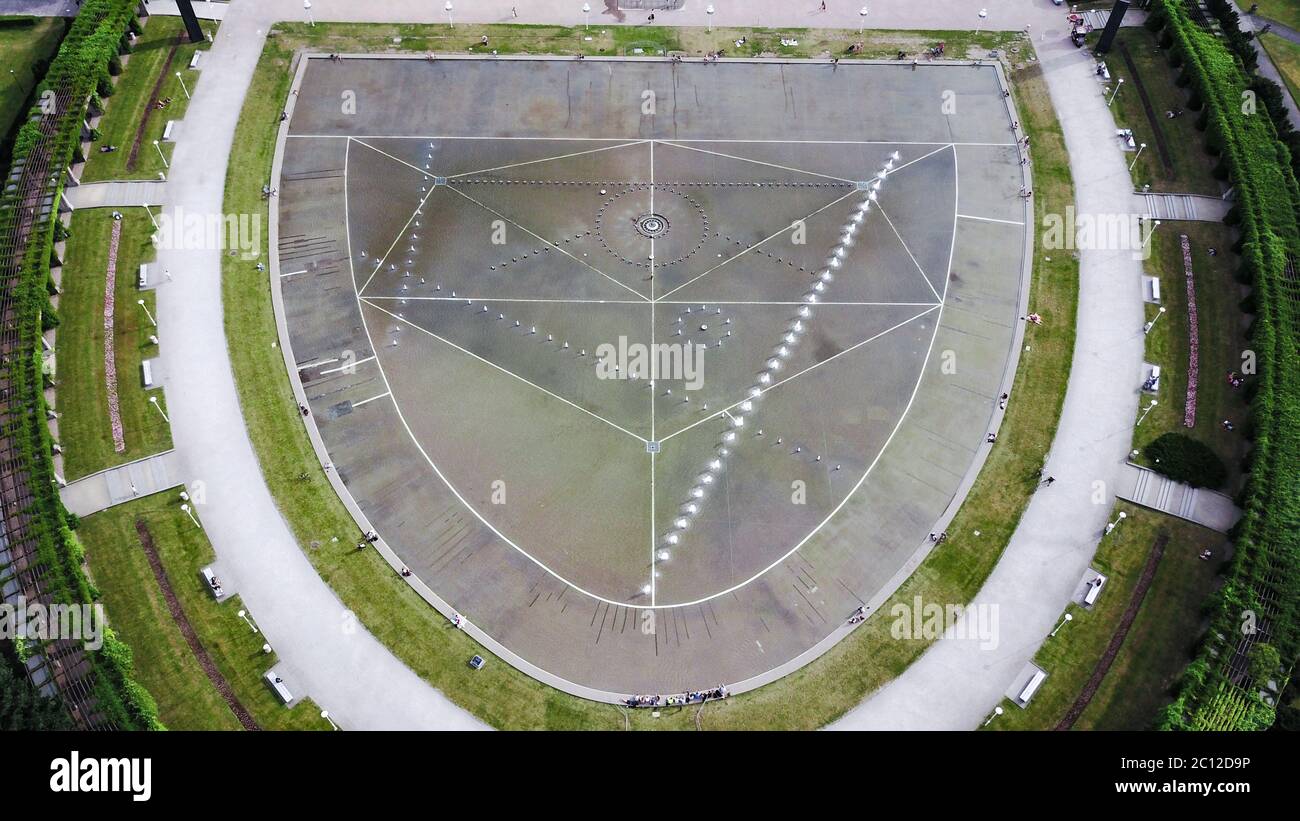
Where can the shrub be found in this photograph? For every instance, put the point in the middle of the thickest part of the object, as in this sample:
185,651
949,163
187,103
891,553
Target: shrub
1185,459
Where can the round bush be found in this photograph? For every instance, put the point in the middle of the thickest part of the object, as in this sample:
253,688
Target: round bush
1184,459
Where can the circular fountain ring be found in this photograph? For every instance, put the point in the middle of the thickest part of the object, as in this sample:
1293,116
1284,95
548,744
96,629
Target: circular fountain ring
651,226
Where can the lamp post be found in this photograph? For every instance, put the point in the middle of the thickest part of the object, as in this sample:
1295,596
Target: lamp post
1146,329
306,6
190,512
184,87
140,302
243,614
1115,93
151,219
1144,416
586,12
862,24
708,12
1112,525
325,714
153,400
1068,618
161,155
1147,238
447,8
997,711
1135,156
983,13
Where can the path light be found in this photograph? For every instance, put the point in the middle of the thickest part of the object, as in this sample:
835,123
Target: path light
161,154
190,512
447,8
709,10
153,400
1141,148
862,19
306,6
325,714
1068,618
184,87
1146,329
586,10
1145,412
243,614
1112,525
1147,238
997,711
1115,93
152,321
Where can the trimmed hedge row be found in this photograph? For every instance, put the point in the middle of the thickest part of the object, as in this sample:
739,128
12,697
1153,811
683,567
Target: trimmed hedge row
1264,576
76,72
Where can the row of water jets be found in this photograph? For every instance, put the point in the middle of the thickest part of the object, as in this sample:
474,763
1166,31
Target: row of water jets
795,331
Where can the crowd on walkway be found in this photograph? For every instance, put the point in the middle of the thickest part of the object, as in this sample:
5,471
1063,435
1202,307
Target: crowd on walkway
693,697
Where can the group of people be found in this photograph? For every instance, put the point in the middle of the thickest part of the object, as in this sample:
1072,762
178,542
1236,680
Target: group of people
163,103
692,697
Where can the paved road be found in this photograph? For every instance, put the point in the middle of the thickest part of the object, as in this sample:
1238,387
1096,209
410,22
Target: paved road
952,686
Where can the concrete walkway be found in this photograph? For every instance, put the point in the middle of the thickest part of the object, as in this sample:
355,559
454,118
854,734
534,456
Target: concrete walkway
1187,207
1143,486
1266,66
116,485
364,686
323,653
116,194
957,683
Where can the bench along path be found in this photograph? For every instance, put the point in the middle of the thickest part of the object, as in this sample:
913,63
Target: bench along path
187,630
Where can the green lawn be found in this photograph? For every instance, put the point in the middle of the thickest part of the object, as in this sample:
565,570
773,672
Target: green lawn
164,663
1191,172
20,47
1158,646
1222,341
624,40
130,102
1286,56
499,694
1286,12
82,397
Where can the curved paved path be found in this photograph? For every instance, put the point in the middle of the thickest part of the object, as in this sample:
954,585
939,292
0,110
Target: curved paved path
355,677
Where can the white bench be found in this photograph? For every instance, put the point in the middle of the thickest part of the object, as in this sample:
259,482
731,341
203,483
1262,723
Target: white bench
1094,590
213,585
146,373
167,130
1103,71
1152,384
1035,681
1155,289
277,684
144,276
194,61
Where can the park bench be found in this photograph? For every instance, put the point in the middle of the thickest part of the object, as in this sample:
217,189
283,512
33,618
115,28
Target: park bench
167,131
146,373
1035,681
1152,383
277,684
144,276
194,61
214,586
1094,590
1155,289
